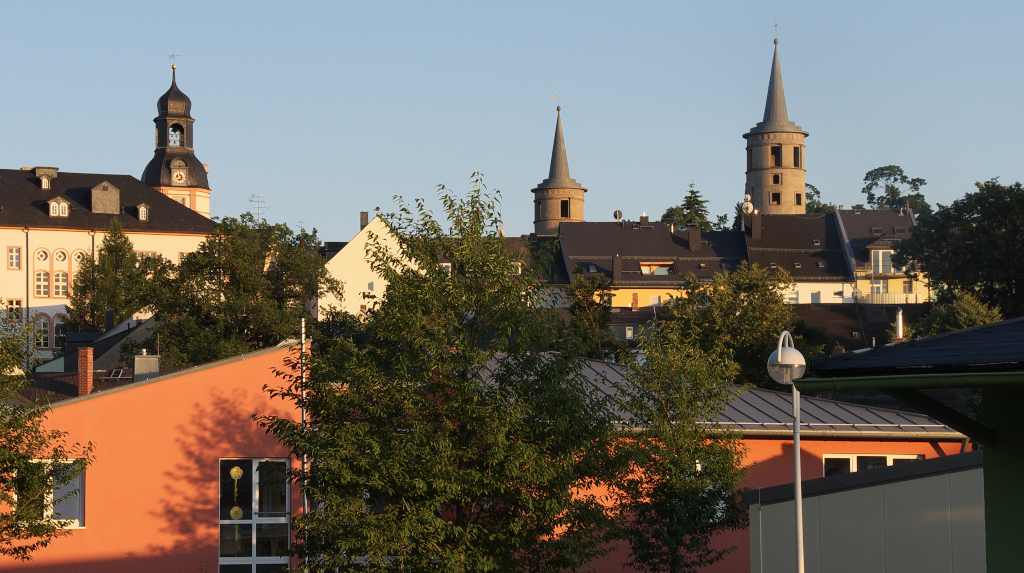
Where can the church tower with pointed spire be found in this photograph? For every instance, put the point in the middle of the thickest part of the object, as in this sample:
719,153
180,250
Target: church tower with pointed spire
776,166
559,197
174,170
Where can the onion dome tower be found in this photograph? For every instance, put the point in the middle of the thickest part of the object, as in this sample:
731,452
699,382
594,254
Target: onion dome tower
559,197
776,170
174,170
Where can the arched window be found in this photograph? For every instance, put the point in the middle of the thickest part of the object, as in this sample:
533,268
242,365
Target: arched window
143,214
63,209
58,330
42,283
42,331
60,284
174,134
54,209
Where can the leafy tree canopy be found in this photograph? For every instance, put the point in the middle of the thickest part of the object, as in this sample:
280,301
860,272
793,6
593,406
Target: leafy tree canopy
590,316
26,502
814,203
113,278
889,188
964,311
446,437
244,289
739,315
694,209
972,247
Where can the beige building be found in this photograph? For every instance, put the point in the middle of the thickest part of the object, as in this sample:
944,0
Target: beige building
559,198
350,264
870,236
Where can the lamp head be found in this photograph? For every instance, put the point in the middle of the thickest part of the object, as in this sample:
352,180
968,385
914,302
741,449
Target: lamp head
786,363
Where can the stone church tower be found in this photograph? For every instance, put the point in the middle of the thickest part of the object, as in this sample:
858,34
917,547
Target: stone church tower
559,197
174,170
776,165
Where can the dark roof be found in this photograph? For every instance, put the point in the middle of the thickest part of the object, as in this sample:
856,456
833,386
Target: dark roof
598,243
754,411
776,116
862,226
787,240
174,102
869,321
558,172
890,474
23,203
530,247
992,347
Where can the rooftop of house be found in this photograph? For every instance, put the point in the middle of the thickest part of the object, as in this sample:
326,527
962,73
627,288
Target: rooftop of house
809,247
25,203
870,229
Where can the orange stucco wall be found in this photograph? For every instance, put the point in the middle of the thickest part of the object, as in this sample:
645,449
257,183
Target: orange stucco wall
770,462
151,495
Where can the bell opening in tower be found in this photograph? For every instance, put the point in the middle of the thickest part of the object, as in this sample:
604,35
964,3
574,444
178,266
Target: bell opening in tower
174,135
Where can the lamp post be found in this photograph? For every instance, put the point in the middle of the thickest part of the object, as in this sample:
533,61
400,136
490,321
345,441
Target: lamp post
785,365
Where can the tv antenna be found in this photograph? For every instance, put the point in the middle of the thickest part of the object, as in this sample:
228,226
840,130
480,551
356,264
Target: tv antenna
261,205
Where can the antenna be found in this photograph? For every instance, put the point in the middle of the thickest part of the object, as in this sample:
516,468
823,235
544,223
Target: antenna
261,206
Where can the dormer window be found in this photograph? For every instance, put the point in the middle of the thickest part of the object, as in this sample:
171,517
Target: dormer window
143,212
45,182
816,242
773,266
63,209
796,265
877,231
54,210
657,269
58,208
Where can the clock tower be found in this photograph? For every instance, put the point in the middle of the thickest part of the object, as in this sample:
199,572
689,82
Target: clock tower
174,170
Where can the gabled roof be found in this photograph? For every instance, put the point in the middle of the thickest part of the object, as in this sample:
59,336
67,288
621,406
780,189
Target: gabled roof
992,347
789,239
598,243
23,203
862,228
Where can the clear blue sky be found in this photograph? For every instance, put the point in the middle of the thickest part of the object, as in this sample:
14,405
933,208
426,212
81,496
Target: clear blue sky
332,108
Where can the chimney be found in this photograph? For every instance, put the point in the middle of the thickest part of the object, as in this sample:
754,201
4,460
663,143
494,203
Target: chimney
755,226
108,320
694,231
616,269
644,219
364,219
84,370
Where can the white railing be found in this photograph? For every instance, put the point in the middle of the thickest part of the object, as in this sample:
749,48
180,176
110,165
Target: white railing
888,298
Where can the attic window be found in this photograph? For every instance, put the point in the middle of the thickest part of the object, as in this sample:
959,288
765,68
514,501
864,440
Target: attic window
63,209
877,231
143,213
821,264
856,335
726,266
592,268
796,265
773,266
54,210
900,230
704,266
446,267
45,182
816,242
656,269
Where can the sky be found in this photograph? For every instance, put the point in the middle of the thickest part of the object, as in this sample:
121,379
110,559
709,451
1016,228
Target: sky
332,108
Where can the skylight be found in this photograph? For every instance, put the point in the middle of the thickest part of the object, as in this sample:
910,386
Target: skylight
816,242
901,230
796,265
773,265
821,264
877,231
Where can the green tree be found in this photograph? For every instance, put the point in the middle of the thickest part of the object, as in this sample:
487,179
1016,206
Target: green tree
443,436
27,506
688,490
737,217
694,209
245,288
114,278
721,223
815,204
738,315
963,311
971,246
590,315
889,188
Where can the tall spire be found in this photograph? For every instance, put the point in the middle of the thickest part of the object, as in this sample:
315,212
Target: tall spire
558,174
776,117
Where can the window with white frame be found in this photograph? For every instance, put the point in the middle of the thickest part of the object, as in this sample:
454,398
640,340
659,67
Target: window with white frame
793,297
879,286
13,309
629,333
14,257
42,331
39,498
60,284
42,283
881,263
254,515
63,209
54,209
836,464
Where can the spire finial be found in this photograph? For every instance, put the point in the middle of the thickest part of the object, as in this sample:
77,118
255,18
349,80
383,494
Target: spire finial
558,109
776,33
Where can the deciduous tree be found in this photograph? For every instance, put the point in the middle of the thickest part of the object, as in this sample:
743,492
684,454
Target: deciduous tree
590,315
889,188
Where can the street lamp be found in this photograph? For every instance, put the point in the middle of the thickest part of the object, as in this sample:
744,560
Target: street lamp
785,365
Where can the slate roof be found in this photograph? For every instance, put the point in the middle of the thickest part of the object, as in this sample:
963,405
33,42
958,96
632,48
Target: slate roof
787,240
992,347
860,226
598,243
756,411
776,117
23,203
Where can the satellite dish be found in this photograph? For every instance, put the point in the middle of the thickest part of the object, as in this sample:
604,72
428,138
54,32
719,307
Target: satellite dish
617,214
501,231
747,207
746,197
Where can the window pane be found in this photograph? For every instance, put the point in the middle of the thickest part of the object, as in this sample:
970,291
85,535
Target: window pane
272,540
235,489
837,466
70,508
235,569
276,568
236,540
865,463
273,484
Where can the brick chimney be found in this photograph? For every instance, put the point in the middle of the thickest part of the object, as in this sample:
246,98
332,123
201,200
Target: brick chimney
84,371
364,219
693,236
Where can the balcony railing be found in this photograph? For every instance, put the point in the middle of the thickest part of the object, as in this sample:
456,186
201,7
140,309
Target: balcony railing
888,298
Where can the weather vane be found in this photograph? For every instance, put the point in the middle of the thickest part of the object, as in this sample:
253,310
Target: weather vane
174,57
776,30
556,96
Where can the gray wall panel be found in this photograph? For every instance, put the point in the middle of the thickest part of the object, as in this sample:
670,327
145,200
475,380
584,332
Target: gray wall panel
917,532
967,510
851,531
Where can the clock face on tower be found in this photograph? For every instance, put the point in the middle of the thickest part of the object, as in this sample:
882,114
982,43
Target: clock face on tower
178,176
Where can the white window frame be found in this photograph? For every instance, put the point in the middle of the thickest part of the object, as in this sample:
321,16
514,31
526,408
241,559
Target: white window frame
79,499
853,459
60,288
63,209
629,333
54,209
254,519
42,286
14,258
143,214
39,323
